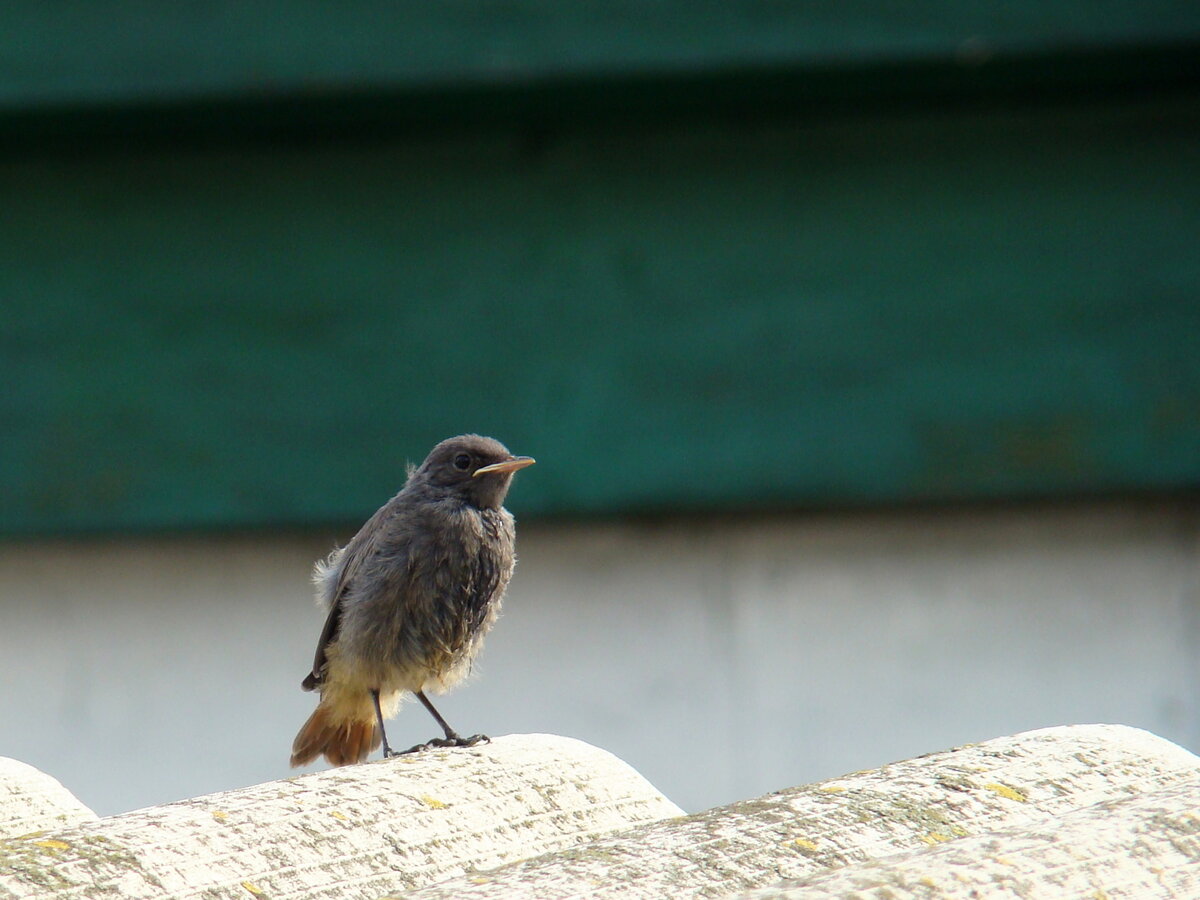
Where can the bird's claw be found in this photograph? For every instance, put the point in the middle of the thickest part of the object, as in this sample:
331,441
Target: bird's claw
471,741
455,741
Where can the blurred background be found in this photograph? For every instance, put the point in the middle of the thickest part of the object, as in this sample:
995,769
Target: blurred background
857,345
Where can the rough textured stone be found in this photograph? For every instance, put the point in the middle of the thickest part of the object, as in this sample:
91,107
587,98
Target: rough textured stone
1146,847
1020,783
31,800
355,832
1095,811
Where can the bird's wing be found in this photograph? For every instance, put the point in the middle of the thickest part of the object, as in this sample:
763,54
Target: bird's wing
328,633
361,546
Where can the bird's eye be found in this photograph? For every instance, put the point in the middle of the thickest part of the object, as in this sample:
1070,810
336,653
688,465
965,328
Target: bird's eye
462,461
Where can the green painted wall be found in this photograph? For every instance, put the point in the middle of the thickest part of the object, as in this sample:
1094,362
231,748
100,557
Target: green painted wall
673,312
75,52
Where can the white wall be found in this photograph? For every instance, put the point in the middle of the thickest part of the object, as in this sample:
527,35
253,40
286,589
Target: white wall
722,658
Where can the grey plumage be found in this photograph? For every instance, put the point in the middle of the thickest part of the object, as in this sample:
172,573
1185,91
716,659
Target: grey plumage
410,598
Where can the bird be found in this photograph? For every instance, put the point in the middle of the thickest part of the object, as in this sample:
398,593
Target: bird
409,600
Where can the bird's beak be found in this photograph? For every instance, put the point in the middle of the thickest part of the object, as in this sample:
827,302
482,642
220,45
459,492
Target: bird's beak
508,465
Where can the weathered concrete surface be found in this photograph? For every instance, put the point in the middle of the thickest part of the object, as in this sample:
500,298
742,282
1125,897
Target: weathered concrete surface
1146,847
358,832
1096,811
32,801
1022,784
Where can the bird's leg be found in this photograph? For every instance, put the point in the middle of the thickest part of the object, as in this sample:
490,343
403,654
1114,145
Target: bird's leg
388,752
451,734
452,738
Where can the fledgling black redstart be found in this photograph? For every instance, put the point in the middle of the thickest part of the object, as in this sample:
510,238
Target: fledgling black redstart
410,599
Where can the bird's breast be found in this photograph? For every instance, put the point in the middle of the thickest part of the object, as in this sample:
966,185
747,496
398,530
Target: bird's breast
453,592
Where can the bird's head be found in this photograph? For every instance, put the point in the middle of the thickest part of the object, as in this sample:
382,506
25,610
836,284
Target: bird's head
477,469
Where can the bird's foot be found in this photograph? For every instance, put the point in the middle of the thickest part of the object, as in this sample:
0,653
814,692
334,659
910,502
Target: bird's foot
455,741
471,741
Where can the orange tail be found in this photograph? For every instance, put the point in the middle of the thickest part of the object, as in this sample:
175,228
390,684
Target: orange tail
343,742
